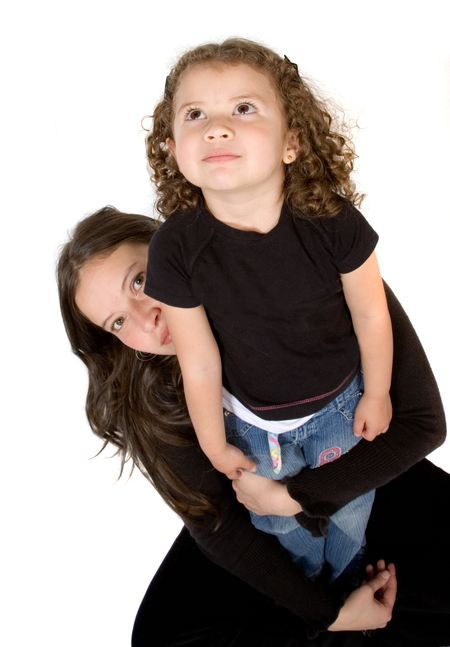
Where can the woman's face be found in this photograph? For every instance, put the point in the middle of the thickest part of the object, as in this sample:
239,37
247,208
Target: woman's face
111,295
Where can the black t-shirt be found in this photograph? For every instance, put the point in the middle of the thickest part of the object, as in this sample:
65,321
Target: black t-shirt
274,301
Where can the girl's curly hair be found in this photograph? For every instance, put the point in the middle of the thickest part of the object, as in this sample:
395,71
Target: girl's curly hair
315,182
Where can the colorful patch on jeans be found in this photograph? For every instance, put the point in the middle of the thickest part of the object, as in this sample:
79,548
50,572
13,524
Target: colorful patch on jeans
275,451
329,455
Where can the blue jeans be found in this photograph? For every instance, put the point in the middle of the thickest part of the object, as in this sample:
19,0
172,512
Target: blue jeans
325,437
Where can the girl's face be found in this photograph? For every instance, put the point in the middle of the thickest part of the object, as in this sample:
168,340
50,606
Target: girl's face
230,132
111,295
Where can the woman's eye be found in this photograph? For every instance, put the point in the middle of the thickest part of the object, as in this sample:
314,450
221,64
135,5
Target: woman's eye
117,324
194,114
245,108
138,282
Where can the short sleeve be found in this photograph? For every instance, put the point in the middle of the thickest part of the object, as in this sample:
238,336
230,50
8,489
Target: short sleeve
351,237
168,278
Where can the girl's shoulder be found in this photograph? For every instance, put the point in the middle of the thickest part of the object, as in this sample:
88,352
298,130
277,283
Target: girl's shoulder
347,219
347,236
179,220
347,212
181,238
189,224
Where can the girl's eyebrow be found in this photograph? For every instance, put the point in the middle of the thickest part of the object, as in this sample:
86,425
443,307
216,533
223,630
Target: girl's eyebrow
128,271
248,95
189,104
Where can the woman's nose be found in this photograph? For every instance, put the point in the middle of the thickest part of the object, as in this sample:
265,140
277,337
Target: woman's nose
147,313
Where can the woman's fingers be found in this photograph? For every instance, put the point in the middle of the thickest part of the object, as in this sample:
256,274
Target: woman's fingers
383,583
390,590
379,580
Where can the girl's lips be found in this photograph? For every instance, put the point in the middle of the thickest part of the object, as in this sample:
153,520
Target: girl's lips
220,158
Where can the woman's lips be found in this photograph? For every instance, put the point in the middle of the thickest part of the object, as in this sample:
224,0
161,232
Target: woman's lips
165,338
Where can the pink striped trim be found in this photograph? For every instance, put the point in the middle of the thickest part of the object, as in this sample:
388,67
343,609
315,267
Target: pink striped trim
293,404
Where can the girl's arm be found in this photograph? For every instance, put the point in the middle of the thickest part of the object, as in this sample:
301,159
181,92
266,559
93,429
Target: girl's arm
366,299
201,369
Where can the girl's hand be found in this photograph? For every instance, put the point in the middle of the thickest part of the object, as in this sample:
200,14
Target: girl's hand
372,416
263,496
230,461
369,606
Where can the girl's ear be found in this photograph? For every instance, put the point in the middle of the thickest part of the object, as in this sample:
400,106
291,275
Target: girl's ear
171,146
292,148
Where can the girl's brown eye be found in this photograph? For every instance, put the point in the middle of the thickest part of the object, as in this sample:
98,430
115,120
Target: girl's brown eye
193,114
245,108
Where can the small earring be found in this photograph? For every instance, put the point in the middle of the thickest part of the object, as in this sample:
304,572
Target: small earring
290,158
143,357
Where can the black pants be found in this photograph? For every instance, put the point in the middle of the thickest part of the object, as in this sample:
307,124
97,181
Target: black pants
191,602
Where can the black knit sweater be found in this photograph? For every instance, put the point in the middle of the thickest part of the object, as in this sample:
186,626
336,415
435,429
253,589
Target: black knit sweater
417,428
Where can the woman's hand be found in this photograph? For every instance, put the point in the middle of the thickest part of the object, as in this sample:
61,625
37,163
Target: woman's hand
263,496
369,606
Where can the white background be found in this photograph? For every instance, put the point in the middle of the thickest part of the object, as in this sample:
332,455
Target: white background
78,548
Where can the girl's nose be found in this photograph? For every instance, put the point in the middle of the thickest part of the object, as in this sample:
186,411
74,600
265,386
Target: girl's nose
217,131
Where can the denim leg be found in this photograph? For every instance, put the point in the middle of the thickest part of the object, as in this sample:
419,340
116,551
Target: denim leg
328,435
332,437
346,533
306,551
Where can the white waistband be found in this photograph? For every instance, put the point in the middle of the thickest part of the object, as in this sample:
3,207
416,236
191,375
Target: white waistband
230,403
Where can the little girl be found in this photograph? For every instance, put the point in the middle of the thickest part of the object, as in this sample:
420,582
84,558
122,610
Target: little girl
270,280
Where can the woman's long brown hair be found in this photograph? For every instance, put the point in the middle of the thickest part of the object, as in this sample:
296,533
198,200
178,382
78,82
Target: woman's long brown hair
315,183
137,406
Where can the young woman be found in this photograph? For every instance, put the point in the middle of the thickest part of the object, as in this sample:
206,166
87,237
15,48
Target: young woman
139,407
